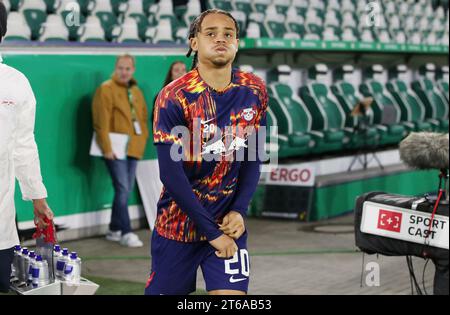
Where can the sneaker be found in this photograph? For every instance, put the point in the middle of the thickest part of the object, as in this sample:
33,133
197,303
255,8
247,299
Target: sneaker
131,240
114,236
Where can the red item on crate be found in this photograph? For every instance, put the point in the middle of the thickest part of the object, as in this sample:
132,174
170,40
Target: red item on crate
49,233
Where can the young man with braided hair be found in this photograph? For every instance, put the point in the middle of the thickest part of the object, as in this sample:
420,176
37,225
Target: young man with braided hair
205,197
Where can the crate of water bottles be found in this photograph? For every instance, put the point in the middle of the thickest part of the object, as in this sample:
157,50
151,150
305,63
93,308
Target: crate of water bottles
52,271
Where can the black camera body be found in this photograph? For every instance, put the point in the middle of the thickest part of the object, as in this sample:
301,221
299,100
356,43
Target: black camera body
406,216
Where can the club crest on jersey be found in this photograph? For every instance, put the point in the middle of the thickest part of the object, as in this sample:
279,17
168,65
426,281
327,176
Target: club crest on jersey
7,103
248,114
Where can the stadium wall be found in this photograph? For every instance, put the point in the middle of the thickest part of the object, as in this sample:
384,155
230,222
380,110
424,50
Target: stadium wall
64,84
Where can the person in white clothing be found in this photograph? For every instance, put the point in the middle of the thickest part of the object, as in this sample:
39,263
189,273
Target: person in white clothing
18,158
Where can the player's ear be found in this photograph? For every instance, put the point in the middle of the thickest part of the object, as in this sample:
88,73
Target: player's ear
194,44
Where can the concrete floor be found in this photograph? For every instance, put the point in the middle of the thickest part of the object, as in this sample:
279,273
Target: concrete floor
287,257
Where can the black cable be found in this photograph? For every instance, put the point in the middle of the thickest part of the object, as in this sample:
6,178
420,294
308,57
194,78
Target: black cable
423,276
410,276
413,275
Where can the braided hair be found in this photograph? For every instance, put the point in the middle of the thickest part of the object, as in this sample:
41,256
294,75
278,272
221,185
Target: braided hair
196,25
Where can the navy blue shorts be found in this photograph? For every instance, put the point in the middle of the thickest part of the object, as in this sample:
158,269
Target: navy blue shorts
175,265
6,258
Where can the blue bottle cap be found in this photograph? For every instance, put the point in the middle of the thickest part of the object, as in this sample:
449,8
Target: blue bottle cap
17,248
57,248
65,251
73,255
25,251
39,258
32,254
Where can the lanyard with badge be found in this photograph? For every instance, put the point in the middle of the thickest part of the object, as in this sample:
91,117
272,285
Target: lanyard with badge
136,124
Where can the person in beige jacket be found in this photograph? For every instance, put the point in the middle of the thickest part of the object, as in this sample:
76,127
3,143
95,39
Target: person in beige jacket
119,106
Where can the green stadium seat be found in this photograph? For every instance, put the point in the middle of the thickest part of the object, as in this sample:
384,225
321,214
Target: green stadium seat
282,6
359,129
220,4
328,118
260,5
276,142
436,107
35,14
92,30
301,6
242,5
295,24
68,5
134,7
314,23
164,32
146,4
275,25
129,31
241,19
349,35
119,7
258,18
442,79
180,11
18,29
181,35
292,117
52,5
142,24
104,11
412,110
330,34
86,6
386,110
54,29
108,21
73,27
253,30
15,5
192,10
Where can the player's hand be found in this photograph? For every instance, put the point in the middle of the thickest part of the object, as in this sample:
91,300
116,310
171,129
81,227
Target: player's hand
233,225
225,245
110,156
42,211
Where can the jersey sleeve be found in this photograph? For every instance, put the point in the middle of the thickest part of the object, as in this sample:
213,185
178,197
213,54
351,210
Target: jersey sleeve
167,115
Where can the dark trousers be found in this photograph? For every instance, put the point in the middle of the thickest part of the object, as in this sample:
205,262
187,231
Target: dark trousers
6,258
123,174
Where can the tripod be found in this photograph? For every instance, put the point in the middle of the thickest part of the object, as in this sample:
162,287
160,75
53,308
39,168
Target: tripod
360,111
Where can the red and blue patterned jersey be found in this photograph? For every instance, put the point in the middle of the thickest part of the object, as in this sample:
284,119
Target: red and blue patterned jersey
214,120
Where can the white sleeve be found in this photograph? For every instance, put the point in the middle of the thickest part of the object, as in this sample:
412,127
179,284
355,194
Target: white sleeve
26,158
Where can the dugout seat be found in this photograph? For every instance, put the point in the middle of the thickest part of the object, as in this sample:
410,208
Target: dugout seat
360,130
386,111
411,108
328,118
436,107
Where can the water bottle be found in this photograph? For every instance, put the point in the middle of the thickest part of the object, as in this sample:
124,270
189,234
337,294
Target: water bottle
28,266
61,263
72,271
56,255
39,271
23,258
15,264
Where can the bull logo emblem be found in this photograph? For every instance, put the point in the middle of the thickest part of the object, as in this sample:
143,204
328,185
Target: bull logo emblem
217,147
237,143
248,114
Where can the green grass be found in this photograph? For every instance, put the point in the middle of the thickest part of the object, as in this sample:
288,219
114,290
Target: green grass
117,287
121,287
